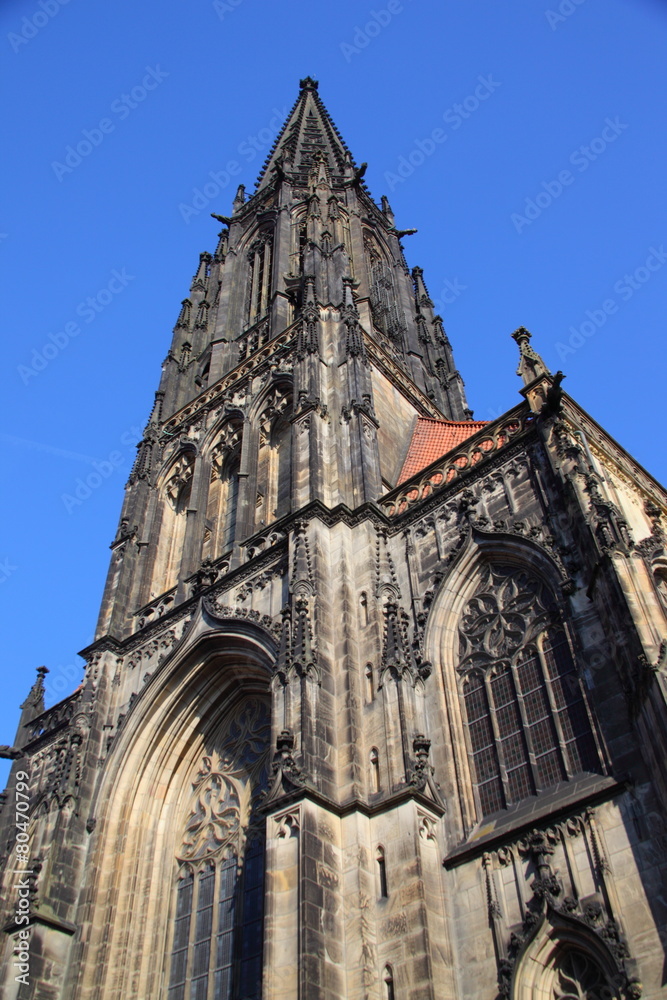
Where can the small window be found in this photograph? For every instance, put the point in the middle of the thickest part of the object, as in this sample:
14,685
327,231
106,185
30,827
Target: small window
363,609
382,873
375,769
388,981
368,681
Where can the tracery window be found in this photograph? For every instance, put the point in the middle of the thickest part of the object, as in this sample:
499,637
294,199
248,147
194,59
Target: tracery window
218,918
383,294
578,977
260,258
528,722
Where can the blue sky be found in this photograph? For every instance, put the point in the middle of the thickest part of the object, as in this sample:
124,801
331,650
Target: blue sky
525,141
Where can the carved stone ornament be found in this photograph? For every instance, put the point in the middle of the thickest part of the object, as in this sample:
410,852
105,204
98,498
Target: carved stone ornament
511,609
277,404
531,365
286,776
224,611
574,972
228,442
399,657
227,786
180,479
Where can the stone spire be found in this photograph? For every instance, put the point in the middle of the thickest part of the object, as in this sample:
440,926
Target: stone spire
308,130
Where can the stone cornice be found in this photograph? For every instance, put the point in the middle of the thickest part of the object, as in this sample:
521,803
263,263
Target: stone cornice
546,811
342,809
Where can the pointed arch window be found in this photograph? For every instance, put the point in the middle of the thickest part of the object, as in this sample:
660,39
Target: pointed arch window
274,459
527,719
382,873
260,258
176,495
369,687
374,759
388,981
218,915
383,293
222,503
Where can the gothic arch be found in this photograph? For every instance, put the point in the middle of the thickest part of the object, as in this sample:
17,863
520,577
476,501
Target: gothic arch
223,451
564,960
258,250
533,769
299,239
177,722
232,416
271,416
278,385
174,488
375,248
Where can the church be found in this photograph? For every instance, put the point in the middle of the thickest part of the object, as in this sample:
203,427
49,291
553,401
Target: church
375,709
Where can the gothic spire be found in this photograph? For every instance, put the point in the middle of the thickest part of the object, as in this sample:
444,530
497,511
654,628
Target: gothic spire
308,134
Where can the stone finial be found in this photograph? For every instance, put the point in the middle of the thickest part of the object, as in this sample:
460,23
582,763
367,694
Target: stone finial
308,83
387,210
531,365
35,699
239,200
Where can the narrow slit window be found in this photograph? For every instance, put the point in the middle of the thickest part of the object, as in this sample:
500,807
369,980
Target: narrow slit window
368,677
375,769
388,980
382,872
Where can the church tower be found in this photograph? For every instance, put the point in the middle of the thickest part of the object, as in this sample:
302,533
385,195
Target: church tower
375,708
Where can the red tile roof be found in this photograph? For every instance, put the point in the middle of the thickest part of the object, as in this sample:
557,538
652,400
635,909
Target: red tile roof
433,438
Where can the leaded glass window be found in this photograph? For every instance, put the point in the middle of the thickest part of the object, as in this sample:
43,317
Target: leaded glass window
219,906
528,722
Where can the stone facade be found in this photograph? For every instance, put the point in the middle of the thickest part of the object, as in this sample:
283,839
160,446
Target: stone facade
345,734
